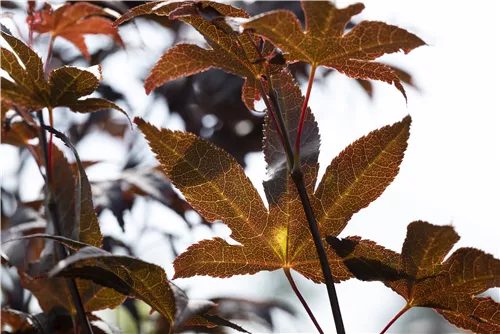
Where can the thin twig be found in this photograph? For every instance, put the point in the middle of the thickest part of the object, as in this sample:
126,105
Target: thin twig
302,300
396,317
298,179
61,251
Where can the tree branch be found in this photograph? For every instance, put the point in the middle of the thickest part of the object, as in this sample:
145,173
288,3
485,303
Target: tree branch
298,179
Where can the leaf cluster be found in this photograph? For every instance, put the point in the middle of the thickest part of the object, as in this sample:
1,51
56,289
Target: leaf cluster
56,241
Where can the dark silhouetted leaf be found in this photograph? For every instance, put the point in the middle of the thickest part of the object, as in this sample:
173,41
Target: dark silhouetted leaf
73,199
128,276
56,321
24,221
250,310
421,277
216,186
359,175
323,42
73,21
119,195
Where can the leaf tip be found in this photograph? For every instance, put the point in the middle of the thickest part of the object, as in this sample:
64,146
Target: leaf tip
400,87
407,120
358,7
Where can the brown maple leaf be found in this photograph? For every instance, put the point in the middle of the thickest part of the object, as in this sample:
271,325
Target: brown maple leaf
228,51
421,277
323,43
216,186
28,89
73,21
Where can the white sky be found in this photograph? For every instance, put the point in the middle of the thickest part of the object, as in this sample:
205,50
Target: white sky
449,174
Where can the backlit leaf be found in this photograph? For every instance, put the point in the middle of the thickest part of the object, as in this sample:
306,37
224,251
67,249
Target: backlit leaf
29,85
70,83
228,51
73,21
359,175
423,279
216,186
65,87
323,42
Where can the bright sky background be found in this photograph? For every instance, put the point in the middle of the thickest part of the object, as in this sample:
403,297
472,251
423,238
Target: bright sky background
449,174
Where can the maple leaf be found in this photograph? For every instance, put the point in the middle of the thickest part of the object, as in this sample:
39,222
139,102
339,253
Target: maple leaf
65,87
229,51
421,277
73,21
216,186
323,42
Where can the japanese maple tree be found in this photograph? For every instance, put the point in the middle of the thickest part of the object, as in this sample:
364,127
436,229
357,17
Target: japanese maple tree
70,267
